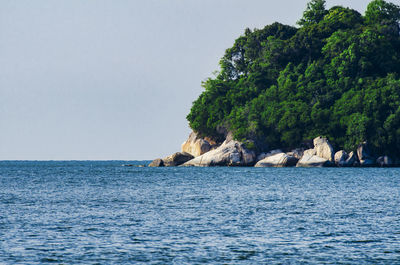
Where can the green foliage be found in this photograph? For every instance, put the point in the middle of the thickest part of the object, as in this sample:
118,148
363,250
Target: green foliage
314,13
337,75
379,11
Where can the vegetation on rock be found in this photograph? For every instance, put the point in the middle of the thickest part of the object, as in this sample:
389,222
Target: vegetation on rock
337,75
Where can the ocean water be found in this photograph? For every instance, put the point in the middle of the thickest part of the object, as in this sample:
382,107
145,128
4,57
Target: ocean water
104,213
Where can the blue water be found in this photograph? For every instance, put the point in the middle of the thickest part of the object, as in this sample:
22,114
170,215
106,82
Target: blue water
103,213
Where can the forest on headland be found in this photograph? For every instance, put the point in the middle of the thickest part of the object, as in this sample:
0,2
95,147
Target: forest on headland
337,74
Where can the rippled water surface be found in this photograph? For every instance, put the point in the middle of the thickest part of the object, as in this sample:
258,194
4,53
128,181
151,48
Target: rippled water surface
103,213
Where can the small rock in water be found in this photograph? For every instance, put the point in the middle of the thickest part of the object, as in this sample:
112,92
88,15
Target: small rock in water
177,159
131,165
157,163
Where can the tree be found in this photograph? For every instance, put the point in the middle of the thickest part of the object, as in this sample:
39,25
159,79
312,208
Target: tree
314,13
337,76
380,11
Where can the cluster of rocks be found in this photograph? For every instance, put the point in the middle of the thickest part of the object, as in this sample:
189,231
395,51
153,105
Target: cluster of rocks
203,152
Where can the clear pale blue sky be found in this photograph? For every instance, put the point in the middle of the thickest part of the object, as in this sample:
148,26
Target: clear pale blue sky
86,79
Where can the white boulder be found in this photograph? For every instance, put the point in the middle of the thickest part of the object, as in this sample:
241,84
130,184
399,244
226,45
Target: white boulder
309,160
230,153
277,160
195,145
323,148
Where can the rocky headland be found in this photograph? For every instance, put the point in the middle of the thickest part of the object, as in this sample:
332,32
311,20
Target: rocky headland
337,74
199,151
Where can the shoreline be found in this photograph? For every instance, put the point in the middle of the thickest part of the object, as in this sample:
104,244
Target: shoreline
199,151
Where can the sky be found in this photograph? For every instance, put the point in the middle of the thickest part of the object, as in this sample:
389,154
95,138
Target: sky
114,80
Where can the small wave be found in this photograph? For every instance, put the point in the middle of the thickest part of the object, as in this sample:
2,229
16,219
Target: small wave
366,241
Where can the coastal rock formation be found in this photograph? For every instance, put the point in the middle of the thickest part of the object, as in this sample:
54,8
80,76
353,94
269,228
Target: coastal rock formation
310,152
270,153
309,160
352,159
157,163
297,153
323,148
230,153
342,159
364,155
278,160
384,161
234,153
195,145
177,159
322,155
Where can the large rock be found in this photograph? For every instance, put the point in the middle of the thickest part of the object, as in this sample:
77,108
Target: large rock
270,153
195,145
309,160
177,159
322,155
310,152
297,153
157,163
278,160
364,155
384,161
342,159
230,153
323,148
351,160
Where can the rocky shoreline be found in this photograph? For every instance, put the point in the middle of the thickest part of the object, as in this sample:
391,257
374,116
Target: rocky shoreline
204,152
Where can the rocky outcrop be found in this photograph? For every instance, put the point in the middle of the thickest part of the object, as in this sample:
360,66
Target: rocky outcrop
352,159
322,155
173,160
204,152
230,153
278,160
310,152
309,160
342,159
384,161
364,155
157,163
195,145
270,153
323,148
177,159
297,153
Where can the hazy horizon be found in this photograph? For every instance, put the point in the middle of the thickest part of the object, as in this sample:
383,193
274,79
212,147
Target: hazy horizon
102,80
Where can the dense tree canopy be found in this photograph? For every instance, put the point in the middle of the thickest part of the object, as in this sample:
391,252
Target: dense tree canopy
337,75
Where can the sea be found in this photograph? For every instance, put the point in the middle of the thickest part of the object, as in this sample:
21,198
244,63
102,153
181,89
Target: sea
116,212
